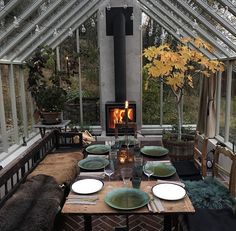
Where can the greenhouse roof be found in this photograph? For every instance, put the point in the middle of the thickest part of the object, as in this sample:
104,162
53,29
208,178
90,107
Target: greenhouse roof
27,24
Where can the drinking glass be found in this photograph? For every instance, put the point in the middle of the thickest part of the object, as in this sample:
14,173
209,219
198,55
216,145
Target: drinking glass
109,170
126,174
136,181
148,169
138,160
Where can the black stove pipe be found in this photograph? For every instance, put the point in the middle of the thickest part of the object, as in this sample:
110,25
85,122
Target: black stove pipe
119,56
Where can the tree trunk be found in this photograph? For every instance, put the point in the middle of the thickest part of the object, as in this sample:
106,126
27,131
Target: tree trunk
179,120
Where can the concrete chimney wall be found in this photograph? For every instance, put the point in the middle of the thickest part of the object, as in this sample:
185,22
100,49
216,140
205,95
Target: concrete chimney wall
133,61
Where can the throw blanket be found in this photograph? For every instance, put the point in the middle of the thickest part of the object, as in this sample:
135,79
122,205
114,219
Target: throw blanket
33,207
209,193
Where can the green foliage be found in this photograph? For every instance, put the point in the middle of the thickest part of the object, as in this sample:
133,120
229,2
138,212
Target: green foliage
51,99
45,84
151,107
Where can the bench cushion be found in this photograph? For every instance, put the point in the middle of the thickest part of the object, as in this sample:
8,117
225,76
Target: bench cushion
33,206
62,166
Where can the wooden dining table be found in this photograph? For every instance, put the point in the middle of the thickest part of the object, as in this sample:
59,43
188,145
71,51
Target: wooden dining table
170,208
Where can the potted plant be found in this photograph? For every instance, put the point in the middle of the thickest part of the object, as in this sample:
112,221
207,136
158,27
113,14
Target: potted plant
46,85
177,65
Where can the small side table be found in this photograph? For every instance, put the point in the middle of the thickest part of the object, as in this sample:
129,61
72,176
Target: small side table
44,127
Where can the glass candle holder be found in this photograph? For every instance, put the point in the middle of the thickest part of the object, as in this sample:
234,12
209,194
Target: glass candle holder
122,156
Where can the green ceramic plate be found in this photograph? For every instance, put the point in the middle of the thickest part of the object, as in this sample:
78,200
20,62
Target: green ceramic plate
93,163
126,198
154,151
98,149
163,169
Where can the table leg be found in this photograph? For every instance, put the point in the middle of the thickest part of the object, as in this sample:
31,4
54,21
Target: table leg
87,222
167,222
127,222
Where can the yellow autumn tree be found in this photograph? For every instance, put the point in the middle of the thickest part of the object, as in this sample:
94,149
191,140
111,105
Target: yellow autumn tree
177,66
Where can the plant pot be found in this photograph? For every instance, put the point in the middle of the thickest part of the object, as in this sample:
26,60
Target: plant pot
179,149
50,118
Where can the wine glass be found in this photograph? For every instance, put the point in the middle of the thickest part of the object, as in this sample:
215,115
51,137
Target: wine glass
148,169
109,170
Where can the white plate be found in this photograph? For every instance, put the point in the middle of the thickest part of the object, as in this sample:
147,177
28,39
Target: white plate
87,186
168,191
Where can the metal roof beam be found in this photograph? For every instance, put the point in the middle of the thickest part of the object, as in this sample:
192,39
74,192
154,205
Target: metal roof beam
231,7
219,19
205,23
31,27
54,42
9,6
68,19
175,19
47,26
177,24
164,21
21,18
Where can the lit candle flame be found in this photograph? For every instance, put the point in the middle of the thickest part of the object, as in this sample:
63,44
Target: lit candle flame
126,104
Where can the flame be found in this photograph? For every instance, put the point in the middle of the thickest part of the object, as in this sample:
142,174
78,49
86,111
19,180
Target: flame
117,115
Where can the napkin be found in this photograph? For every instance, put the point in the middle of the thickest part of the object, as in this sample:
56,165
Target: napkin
99,175
160,161
155,205
81,199
104,156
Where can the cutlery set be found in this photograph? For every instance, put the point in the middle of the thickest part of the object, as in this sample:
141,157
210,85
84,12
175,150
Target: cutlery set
82,199
155,205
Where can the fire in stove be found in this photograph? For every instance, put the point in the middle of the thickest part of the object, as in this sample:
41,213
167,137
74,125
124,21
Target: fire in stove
117,115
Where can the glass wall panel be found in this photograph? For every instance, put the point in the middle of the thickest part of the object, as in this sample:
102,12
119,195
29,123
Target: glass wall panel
18,101
7,103
169,106
223,104
89,64
232,126
191,102
151,99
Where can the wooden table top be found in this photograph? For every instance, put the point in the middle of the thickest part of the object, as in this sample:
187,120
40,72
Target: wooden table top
170,207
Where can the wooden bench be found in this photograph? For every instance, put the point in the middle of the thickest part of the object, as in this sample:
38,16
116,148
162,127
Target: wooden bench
41,168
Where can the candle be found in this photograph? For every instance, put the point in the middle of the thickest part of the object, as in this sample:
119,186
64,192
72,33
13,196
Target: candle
126,104
67,65
126,111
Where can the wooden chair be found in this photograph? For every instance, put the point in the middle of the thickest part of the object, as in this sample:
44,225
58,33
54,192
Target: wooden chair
218,216
194,169
226,176
123,126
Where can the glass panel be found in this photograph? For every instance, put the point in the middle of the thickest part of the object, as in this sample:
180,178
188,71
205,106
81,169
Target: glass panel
191,102
232,126
90,74
223,103
151,102
7,104
89,61
18,101
169,106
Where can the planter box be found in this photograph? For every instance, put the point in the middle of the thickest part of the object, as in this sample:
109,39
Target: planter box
179,150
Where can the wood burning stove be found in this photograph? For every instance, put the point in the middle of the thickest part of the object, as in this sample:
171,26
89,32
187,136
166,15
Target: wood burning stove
115,114
119,25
